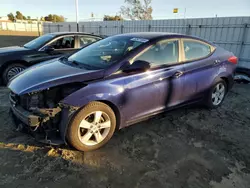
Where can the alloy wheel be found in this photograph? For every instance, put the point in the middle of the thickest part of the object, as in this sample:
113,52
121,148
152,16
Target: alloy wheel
14,71
94,128
218,94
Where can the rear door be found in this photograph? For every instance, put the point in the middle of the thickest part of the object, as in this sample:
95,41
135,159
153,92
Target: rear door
158,88
200,67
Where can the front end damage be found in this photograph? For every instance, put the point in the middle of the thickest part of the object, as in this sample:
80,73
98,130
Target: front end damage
42,114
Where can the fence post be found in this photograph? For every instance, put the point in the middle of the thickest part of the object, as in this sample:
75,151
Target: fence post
49,29
58,27
82,28
38,28
244,36
149,28
100,29
15,26
69,27
188,29
122,26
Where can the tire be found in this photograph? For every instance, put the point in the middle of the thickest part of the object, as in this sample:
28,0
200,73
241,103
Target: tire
84,130
214,96
15,67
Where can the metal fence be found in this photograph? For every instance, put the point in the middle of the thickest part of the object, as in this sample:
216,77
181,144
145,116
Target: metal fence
231,33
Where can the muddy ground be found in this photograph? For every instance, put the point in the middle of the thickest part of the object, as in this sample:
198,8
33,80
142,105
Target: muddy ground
186,148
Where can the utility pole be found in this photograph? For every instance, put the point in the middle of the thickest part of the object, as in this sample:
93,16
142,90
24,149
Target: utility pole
77,24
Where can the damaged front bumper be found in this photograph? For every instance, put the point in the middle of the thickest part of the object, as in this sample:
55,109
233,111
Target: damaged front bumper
40,122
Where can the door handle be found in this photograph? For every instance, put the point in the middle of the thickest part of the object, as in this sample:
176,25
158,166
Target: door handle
178,74
217,61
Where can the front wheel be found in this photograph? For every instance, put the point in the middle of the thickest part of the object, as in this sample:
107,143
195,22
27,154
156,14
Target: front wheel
216,94
92,127
11,71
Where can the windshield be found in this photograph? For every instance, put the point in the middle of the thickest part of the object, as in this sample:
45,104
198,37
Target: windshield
105,52
38,42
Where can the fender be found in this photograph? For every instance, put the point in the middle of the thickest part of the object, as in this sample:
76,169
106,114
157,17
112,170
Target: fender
112,91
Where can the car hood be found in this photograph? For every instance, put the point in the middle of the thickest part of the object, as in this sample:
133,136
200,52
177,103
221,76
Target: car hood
12,49
50,74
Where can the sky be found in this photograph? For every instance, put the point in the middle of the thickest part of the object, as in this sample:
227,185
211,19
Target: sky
162,9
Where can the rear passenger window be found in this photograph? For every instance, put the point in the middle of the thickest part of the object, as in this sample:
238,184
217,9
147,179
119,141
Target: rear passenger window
195,50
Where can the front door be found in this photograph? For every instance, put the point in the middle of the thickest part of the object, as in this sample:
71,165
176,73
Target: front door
158,88
62,46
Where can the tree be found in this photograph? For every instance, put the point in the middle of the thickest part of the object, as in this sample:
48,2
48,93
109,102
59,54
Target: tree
24,18
112,18
19,15
28,18
54,18
11,17
137,9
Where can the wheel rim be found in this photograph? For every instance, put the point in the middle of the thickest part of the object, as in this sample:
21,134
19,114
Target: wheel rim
218,94
94,128
14,71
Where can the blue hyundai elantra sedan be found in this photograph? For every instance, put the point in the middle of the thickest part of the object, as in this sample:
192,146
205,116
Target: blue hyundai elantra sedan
118,81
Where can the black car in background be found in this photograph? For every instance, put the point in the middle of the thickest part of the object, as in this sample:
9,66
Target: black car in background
15,59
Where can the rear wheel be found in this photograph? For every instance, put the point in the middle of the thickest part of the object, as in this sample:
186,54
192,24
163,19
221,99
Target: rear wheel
11,71
216,94
92,127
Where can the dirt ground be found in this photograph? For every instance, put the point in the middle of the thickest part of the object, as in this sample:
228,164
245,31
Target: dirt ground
190,147
14,40
186,148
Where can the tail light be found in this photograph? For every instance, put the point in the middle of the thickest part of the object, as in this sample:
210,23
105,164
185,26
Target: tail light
233,59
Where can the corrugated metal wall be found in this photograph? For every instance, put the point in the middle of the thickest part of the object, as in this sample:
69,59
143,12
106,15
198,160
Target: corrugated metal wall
231,33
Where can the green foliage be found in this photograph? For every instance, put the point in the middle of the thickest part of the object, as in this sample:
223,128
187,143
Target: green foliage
19,15
137,9
54,18
50,17
112,18
11,17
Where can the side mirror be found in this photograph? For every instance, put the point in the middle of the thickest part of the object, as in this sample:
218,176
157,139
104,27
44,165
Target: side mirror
138,65
49,49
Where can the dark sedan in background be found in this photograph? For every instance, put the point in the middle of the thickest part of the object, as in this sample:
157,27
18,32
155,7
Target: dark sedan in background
116,82
15,59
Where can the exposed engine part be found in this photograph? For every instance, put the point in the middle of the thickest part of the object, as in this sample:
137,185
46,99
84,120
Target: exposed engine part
43,108
51,112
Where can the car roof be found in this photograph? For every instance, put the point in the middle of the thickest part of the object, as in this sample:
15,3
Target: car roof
71,33
150,35
158,35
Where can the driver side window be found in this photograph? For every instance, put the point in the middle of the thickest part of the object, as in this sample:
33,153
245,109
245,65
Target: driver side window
162,53
64,43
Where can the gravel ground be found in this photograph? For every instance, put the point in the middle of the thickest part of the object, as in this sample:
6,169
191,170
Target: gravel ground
186,148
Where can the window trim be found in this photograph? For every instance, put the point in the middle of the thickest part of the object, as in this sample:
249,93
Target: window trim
212,48
180,54
57,38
